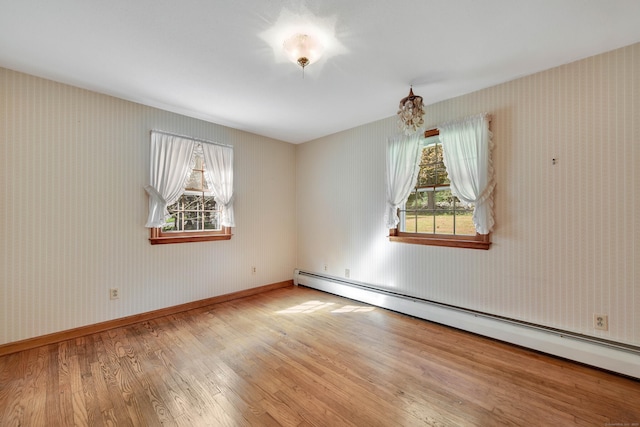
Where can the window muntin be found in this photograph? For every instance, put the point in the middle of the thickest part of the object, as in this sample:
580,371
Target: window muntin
436,211
194,211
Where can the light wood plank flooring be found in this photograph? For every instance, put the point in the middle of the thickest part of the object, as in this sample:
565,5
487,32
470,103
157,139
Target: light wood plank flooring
299,357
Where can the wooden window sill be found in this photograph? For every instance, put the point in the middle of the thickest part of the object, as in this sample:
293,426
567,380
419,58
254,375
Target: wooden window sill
470,242
158,238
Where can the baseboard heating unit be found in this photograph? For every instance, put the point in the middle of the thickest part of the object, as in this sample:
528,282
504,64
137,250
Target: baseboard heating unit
616,357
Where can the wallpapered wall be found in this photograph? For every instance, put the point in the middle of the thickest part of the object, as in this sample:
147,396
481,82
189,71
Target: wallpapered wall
73,165
567,240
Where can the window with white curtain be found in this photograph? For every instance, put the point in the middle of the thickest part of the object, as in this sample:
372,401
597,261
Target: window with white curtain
190,190
440,187
196,210
431,207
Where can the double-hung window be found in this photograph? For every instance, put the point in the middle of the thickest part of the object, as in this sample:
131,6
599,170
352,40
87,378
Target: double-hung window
431,209
423,203
191,190
196,209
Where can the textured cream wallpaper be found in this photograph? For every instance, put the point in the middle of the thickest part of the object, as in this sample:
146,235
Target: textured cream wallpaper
567,239
73,165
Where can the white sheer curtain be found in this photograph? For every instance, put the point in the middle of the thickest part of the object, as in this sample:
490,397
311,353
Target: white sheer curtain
170,168
403,165
466,147
219,174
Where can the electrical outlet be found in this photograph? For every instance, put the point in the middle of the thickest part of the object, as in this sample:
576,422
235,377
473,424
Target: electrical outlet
347,273
253,270
114,293
601,322
326,267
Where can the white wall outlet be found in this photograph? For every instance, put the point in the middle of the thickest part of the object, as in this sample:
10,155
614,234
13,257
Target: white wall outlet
601,322
326,267
253,270
347,273
114,293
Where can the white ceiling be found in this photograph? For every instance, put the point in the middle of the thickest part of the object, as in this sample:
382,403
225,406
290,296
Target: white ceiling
220,60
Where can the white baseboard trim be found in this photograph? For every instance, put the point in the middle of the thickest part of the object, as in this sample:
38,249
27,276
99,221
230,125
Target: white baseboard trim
611,356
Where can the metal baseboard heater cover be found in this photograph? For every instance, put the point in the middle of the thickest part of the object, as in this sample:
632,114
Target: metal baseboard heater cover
604,354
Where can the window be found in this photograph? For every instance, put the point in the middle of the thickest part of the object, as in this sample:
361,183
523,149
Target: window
431,208
432,215
196,215
189,211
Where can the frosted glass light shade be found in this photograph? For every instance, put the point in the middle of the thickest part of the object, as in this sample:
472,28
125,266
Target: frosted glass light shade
303,49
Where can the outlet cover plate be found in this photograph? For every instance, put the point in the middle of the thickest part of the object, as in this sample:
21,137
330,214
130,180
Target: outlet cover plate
601,322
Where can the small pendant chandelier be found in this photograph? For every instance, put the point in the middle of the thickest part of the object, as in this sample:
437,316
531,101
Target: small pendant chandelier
410,113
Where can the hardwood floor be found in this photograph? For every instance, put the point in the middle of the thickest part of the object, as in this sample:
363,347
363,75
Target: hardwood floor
299,357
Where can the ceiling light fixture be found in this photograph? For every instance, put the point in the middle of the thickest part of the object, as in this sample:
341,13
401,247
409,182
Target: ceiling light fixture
303,49
410,113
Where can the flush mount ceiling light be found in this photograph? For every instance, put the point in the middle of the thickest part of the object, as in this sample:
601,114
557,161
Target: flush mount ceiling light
301,34
303,49
410,113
